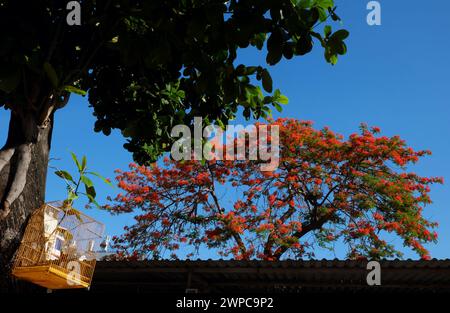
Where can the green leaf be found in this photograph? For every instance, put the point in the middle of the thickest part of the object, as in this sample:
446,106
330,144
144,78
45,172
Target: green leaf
220,124
304,4
327,30
86,181
324,4
90,192
83,163
333,14
341,48
65,175
274,56
304,45
322,15
74,158
333,59
340,35
277,106
258,40
266,80
101,177
75,90
275,47
267,100
92,200
282,99
51,74
288,50
250,70
240,70
336,46
9,84
276,94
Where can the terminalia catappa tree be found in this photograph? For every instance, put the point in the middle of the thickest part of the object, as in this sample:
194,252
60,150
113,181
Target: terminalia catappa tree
326,189
146,65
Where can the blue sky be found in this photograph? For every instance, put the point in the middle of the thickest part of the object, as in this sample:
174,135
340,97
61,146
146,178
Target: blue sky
394,76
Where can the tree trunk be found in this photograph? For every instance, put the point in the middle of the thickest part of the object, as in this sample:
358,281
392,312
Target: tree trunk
30,144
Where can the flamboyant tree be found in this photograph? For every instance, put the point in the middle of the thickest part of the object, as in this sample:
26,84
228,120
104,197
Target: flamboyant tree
326,189
146,66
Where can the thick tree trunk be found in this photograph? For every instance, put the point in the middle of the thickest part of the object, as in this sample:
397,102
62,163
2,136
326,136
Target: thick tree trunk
30,144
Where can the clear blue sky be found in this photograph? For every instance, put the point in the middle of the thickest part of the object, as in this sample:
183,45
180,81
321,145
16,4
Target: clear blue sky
395,76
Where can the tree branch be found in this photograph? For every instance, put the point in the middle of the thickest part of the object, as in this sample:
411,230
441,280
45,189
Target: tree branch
52,104
20,179
87,58
235,235
5,156
305,229
270,241
55,40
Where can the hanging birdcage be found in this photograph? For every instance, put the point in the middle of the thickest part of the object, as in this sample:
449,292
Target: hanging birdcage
58,248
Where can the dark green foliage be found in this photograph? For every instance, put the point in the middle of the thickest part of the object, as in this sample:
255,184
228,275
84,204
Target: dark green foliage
149,65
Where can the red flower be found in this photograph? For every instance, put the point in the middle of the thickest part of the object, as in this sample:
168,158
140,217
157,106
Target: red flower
376,130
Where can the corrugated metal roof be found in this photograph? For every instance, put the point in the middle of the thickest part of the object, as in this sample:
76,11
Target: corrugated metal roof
324,263
268,276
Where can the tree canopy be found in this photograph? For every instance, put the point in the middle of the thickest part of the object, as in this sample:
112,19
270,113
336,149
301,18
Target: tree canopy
150,65
327,189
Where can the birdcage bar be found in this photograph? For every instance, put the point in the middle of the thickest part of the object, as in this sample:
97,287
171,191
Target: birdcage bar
58,248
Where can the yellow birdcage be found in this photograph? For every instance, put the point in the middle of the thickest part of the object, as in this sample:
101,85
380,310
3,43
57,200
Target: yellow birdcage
58,248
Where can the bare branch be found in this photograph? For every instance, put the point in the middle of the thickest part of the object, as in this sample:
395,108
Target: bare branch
5,156
20,178
234,234
314,225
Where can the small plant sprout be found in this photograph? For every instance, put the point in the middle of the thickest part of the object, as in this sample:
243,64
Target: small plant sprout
80,184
